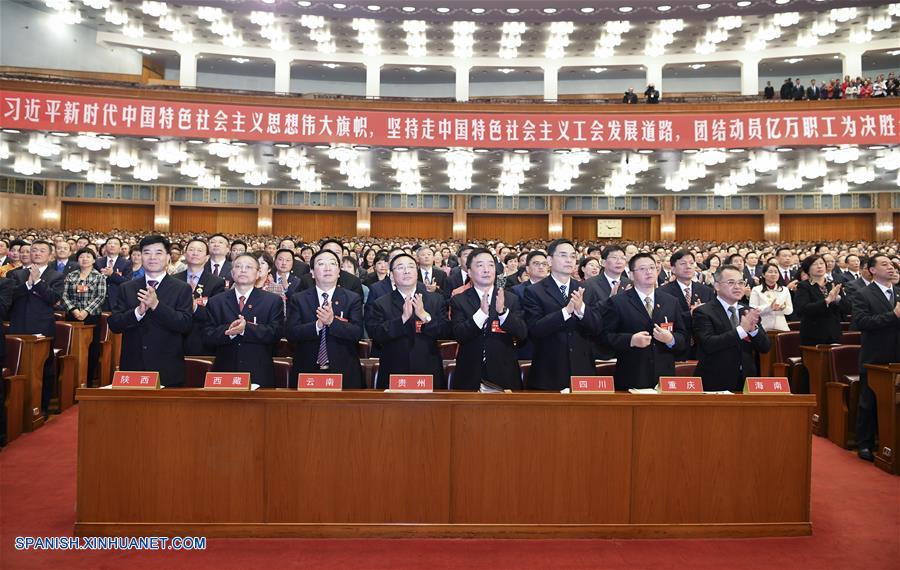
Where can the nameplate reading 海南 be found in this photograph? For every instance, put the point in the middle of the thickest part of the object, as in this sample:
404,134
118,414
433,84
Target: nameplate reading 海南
133,379
227,380
320,382
411,383
593,385
680,385
767,385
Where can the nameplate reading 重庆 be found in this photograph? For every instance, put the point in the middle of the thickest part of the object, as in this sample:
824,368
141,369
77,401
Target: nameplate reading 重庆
411,383
148,380
593,385
767,385
227,380
680,385
320,382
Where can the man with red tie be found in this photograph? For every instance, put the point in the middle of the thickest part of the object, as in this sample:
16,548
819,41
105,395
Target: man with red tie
152,314
116,268
245,324
204,285
219,264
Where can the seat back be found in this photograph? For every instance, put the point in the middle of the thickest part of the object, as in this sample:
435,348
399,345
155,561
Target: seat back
369,369
449,372
62,342
283,348
195,369
605,368
685,368
14,349
283,366
524,369
787,345
104,327
851,337
448,348
364,348
794,325
844,362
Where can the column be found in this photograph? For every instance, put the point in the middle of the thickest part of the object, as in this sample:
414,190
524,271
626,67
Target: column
462,82
884,218
852,62
187,76
52,212
283,75
364,215
654,76
555,219
161,209
771,219
373,79
750,77
667,219
264,212
459,217
551,83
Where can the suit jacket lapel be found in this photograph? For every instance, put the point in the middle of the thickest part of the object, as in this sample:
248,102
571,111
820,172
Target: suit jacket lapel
878,292
552,289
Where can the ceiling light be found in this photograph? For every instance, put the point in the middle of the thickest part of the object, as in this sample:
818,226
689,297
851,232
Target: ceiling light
417,69
12,131
598,69
625,9
59,134
697,65
331,65
478,10
743,3
339,5
793,60
549,10
304,3
443,10
664,8
145,51
408,9
373,7
151,139
512,10
240,59
782,2
704,6
505,70
784,149
521,151
587,10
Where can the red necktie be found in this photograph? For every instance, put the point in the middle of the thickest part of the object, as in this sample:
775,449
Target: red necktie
241,300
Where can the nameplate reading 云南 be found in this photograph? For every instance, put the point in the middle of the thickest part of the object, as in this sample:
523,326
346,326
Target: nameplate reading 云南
320,382
593,385
680,385
134,379
411,383
767,385
227,380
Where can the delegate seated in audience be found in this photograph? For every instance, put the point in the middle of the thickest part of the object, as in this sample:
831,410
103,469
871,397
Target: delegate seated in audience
727,334
83,296
407,324
379,270
284,269
37,288
433,278
345,280
152,314
137,265
644,328
559,323
245,324
487,321
325,324
690,294
818,304
459,276
772,300
876,313
204,285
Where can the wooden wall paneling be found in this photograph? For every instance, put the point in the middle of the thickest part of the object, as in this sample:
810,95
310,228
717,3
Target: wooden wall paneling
313,225
722,227
106,216
507,227
22,211
815,227
412,224
192,219
634,228
897,226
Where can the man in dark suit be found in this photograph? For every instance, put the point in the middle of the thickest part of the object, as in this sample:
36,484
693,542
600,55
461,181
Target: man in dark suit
486,323
245,324
153,314
325,322
855,267
853,286
630,97
727,333
458,275
116,269
62,262
536,268
876,313
407,324
299,266
799,91
4,252
218,264
204,285
434,279
643,327
612,279
559,323
37,288
787,277
813,91
769,91
787,90
689,294
345,281
6,296
283,272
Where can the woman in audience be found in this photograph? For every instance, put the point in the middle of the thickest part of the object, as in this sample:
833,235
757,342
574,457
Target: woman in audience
264,279
589,267
83,298
381,269
13,260
511,267
708,275
818,304
137,266
348,264
367,264
772,300
175,264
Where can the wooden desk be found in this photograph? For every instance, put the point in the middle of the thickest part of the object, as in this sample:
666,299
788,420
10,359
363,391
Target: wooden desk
279,463
885,382
34,354
818,366
767,358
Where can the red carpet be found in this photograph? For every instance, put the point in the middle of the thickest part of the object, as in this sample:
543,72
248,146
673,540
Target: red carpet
855,509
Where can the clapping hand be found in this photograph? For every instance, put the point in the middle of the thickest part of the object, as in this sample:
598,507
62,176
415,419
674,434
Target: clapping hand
325,315
407,309
750,320
833,294
500,301
662,335
641,339
418,304
237,326
576,301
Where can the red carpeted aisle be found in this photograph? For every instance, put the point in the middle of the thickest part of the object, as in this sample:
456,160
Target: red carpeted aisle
855,509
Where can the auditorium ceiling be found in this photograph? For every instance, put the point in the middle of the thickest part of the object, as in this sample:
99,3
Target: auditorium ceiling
323,167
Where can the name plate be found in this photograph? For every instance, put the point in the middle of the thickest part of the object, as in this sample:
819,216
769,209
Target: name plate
411,383
680,385
320,382
593,385
767,385
227,380
136,379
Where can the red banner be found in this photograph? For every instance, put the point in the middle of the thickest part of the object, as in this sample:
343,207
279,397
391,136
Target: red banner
117,116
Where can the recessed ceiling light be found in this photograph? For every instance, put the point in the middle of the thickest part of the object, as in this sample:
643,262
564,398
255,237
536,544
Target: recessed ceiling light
151,139
195,141
645,151
481,150
339,5
603,151
744,3
625,9
361,147
145,51
664,8
512,10
549,10
282,145
505,70
400,148
793,60
374,7
331,65
782,2
408,9
587,9
240,59
784,149
520,151
877,147
304,3
417,69
697,65
443,9
598,69
323,146
478,10
704,6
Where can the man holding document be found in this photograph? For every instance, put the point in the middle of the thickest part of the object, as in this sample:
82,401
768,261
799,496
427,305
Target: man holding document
644,327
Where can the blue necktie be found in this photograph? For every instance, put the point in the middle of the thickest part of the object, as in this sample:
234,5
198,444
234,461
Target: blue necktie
562,290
